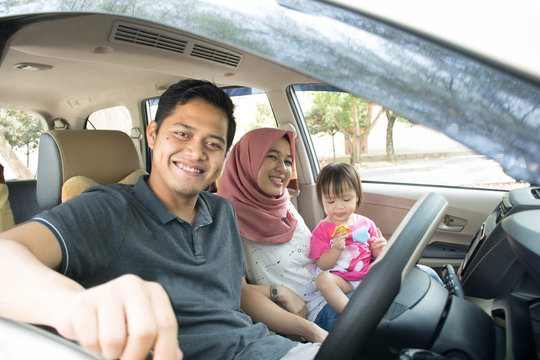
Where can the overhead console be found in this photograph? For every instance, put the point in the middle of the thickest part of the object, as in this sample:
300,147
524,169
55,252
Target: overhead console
497,261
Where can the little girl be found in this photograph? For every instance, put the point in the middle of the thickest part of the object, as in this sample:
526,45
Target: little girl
344,243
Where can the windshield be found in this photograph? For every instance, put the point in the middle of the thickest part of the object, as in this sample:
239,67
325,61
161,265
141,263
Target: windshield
486,109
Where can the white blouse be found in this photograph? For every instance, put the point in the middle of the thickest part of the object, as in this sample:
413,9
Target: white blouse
287,264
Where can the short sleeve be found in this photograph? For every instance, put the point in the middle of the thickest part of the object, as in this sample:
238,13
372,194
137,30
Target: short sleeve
320,241
89,230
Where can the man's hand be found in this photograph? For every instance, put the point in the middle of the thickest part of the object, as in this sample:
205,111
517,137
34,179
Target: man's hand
124,318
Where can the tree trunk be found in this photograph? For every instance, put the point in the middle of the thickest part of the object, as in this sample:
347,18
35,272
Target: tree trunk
16,165
356,150
390,153
334,145
370,123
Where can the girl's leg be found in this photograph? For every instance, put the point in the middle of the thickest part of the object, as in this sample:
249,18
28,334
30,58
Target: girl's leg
334,288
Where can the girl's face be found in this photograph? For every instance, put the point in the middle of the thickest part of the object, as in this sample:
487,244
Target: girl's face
276,169
339,209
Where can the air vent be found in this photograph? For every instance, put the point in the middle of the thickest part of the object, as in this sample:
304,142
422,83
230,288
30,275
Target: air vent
536,193
216,55
148,37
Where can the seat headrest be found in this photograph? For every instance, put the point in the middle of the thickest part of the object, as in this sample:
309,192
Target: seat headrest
106,156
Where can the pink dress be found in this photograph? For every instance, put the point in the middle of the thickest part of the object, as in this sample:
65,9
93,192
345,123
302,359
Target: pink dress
356,257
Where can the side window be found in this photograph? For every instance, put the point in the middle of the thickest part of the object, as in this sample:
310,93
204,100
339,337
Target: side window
19,139
114,118
384,146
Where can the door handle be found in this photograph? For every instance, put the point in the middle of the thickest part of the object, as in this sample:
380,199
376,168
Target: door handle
449,223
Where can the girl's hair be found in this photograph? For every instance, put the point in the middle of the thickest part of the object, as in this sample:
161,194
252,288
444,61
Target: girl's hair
336,178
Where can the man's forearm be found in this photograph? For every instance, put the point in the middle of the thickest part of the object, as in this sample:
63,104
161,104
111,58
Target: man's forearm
30,289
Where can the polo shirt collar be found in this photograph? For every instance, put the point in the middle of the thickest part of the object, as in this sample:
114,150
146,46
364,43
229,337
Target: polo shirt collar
156,207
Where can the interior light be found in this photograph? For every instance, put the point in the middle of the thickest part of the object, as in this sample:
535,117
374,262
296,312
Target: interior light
32,66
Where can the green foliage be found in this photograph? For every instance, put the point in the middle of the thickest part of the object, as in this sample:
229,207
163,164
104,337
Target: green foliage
332,112
20,128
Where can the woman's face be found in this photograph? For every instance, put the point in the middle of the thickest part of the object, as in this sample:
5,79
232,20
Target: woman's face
276,169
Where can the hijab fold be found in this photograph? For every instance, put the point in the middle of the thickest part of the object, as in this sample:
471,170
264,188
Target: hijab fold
261,218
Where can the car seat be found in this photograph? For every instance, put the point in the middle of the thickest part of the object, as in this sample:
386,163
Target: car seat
105,156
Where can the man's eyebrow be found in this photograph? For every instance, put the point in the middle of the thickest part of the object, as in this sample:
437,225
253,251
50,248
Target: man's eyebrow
189,127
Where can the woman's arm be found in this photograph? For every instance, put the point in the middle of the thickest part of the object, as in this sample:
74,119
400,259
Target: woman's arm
262,309
286,298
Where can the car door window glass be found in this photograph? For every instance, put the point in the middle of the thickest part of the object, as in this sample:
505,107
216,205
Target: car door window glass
386,147
113,118
19,139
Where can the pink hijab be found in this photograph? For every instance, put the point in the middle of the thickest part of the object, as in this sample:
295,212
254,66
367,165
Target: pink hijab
261,218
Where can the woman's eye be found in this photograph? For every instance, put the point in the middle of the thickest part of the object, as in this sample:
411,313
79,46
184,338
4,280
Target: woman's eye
288,162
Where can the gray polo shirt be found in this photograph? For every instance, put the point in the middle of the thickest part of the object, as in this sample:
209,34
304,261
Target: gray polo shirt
109,231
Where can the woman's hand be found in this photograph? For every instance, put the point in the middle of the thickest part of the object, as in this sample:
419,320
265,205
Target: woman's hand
292,302
377,244
315,333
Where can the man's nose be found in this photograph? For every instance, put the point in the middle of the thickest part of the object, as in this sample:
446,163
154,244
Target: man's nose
197,150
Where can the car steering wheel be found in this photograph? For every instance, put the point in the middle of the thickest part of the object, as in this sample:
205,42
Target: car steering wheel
384,279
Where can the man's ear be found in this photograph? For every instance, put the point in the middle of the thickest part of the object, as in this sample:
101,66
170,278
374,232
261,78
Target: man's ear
151,133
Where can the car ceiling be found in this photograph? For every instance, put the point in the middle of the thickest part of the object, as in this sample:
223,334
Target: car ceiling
90,69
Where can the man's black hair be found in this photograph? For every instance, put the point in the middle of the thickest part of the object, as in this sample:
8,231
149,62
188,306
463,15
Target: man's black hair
186,90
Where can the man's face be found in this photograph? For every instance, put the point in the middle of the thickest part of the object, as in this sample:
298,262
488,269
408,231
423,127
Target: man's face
188,149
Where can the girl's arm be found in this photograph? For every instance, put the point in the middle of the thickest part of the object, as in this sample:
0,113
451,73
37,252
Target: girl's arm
377,244
328,259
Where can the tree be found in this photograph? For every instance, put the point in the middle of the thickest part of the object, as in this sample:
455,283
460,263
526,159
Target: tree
20,130
390,152
392,117
334,112
263,116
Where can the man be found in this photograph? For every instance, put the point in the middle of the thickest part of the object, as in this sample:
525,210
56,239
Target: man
157,265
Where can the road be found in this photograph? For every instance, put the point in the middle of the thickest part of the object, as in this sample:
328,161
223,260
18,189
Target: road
465,170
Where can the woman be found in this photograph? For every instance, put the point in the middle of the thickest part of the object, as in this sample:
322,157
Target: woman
276,240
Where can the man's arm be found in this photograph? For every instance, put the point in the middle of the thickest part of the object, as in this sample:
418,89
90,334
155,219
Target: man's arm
124,318
262,309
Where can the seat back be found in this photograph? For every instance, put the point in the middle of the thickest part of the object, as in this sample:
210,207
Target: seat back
105,156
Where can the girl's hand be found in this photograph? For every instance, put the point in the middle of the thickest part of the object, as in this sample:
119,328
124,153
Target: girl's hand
339,242
377,244
292,302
